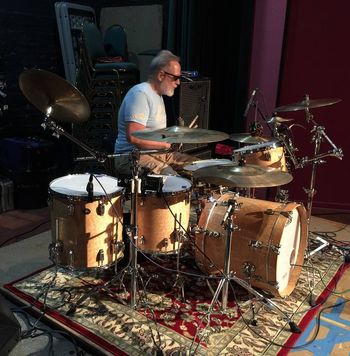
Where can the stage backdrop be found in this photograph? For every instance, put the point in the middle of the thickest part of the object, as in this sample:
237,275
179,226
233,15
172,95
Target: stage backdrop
315,62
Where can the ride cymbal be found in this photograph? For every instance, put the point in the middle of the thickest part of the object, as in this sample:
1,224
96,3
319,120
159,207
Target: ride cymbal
307,104
249,138
45,89
181,134
246,176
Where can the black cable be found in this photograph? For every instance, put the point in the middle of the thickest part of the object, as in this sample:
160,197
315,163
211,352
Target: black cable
23,233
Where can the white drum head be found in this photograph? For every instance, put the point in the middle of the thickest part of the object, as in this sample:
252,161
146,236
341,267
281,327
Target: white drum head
173,184
205,163
288,252
75,185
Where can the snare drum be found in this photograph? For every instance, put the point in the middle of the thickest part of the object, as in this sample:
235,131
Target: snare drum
86,231
266,154
163,218
267,248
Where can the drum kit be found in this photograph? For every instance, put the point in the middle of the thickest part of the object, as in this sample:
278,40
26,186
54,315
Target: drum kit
253,242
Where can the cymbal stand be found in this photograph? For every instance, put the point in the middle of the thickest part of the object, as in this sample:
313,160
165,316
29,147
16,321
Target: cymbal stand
132,229
228,275
58,131
179,281
319,135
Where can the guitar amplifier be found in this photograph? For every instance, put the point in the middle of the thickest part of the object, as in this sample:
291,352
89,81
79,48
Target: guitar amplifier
191,99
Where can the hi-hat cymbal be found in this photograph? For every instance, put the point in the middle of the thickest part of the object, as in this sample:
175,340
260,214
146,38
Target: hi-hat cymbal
45,89
307,104
249,138
181,134
246,176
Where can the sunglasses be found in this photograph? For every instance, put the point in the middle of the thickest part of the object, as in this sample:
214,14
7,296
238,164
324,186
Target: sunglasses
173,77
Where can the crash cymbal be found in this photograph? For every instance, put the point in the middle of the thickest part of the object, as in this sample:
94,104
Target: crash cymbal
45,89
246,176
249,138
307,104
181,134
278,120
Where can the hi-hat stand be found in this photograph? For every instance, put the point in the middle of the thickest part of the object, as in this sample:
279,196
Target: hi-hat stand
228,275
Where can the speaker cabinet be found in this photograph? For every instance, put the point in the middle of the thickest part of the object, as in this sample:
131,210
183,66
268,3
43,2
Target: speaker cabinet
10,330
191,98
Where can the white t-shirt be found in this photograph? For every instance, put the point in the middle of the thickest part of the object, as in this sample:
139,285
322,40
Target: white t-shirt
144,106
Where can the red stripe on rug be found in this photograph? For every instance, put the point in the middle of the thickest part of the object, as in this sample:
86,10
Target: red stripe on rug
310,314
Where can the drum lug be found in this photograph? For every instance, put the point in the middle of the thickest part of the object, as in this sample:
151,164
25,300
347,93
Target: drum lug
55,251
86,211
213,234
165,243
269,212
100,257
71,259
288,215
142,240
248,269
100,210
258,244
119,246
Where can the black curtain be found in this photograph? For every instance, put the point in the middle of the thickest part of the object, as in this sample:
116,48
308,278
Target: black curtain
214,37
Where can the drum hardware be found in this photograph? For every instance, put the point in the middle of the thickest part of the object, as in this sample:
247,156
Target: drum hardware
319,135
259,244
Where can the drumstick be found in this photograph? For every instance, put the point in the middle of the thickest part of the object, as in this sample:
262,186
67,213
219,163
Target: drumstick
193,122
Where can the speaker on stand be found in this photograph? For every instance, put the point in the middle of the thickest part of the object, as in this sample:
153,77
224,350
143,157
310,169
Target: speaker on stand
191,99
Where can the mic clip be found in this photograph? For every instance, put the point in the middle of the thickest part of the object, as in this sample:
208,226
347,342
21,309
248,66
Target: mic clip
90,189
230,204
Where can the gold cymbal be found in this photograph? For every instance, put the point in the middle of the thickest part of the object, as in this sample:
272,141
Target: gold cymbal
181,134
307,104
246,176
249,138
45,89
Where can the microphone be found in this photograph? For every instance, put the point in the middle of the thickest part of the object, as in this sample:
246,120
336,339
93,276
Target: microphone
230,203
250,102
90,189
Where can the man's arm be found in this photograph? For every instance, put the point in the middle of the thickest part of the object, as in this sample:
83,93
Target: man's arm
140,143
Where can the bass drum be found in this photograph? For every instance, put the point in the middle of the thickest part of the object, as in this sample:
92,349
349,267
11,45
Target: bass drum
267,248
86,231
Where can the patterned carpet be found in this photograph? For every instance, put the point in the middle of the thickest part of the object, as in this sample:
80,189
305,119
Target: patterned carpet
163,320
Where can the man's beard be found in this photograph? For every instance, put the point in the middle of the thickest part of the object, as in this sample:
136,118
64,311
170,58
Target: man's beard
170,92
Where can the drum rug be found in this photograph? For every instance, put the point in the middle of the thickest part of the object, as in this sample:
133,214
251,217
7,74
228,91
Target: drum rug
175,320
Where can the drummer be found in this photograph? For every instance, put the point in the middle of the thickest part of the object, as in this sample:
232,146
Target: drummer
143,108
